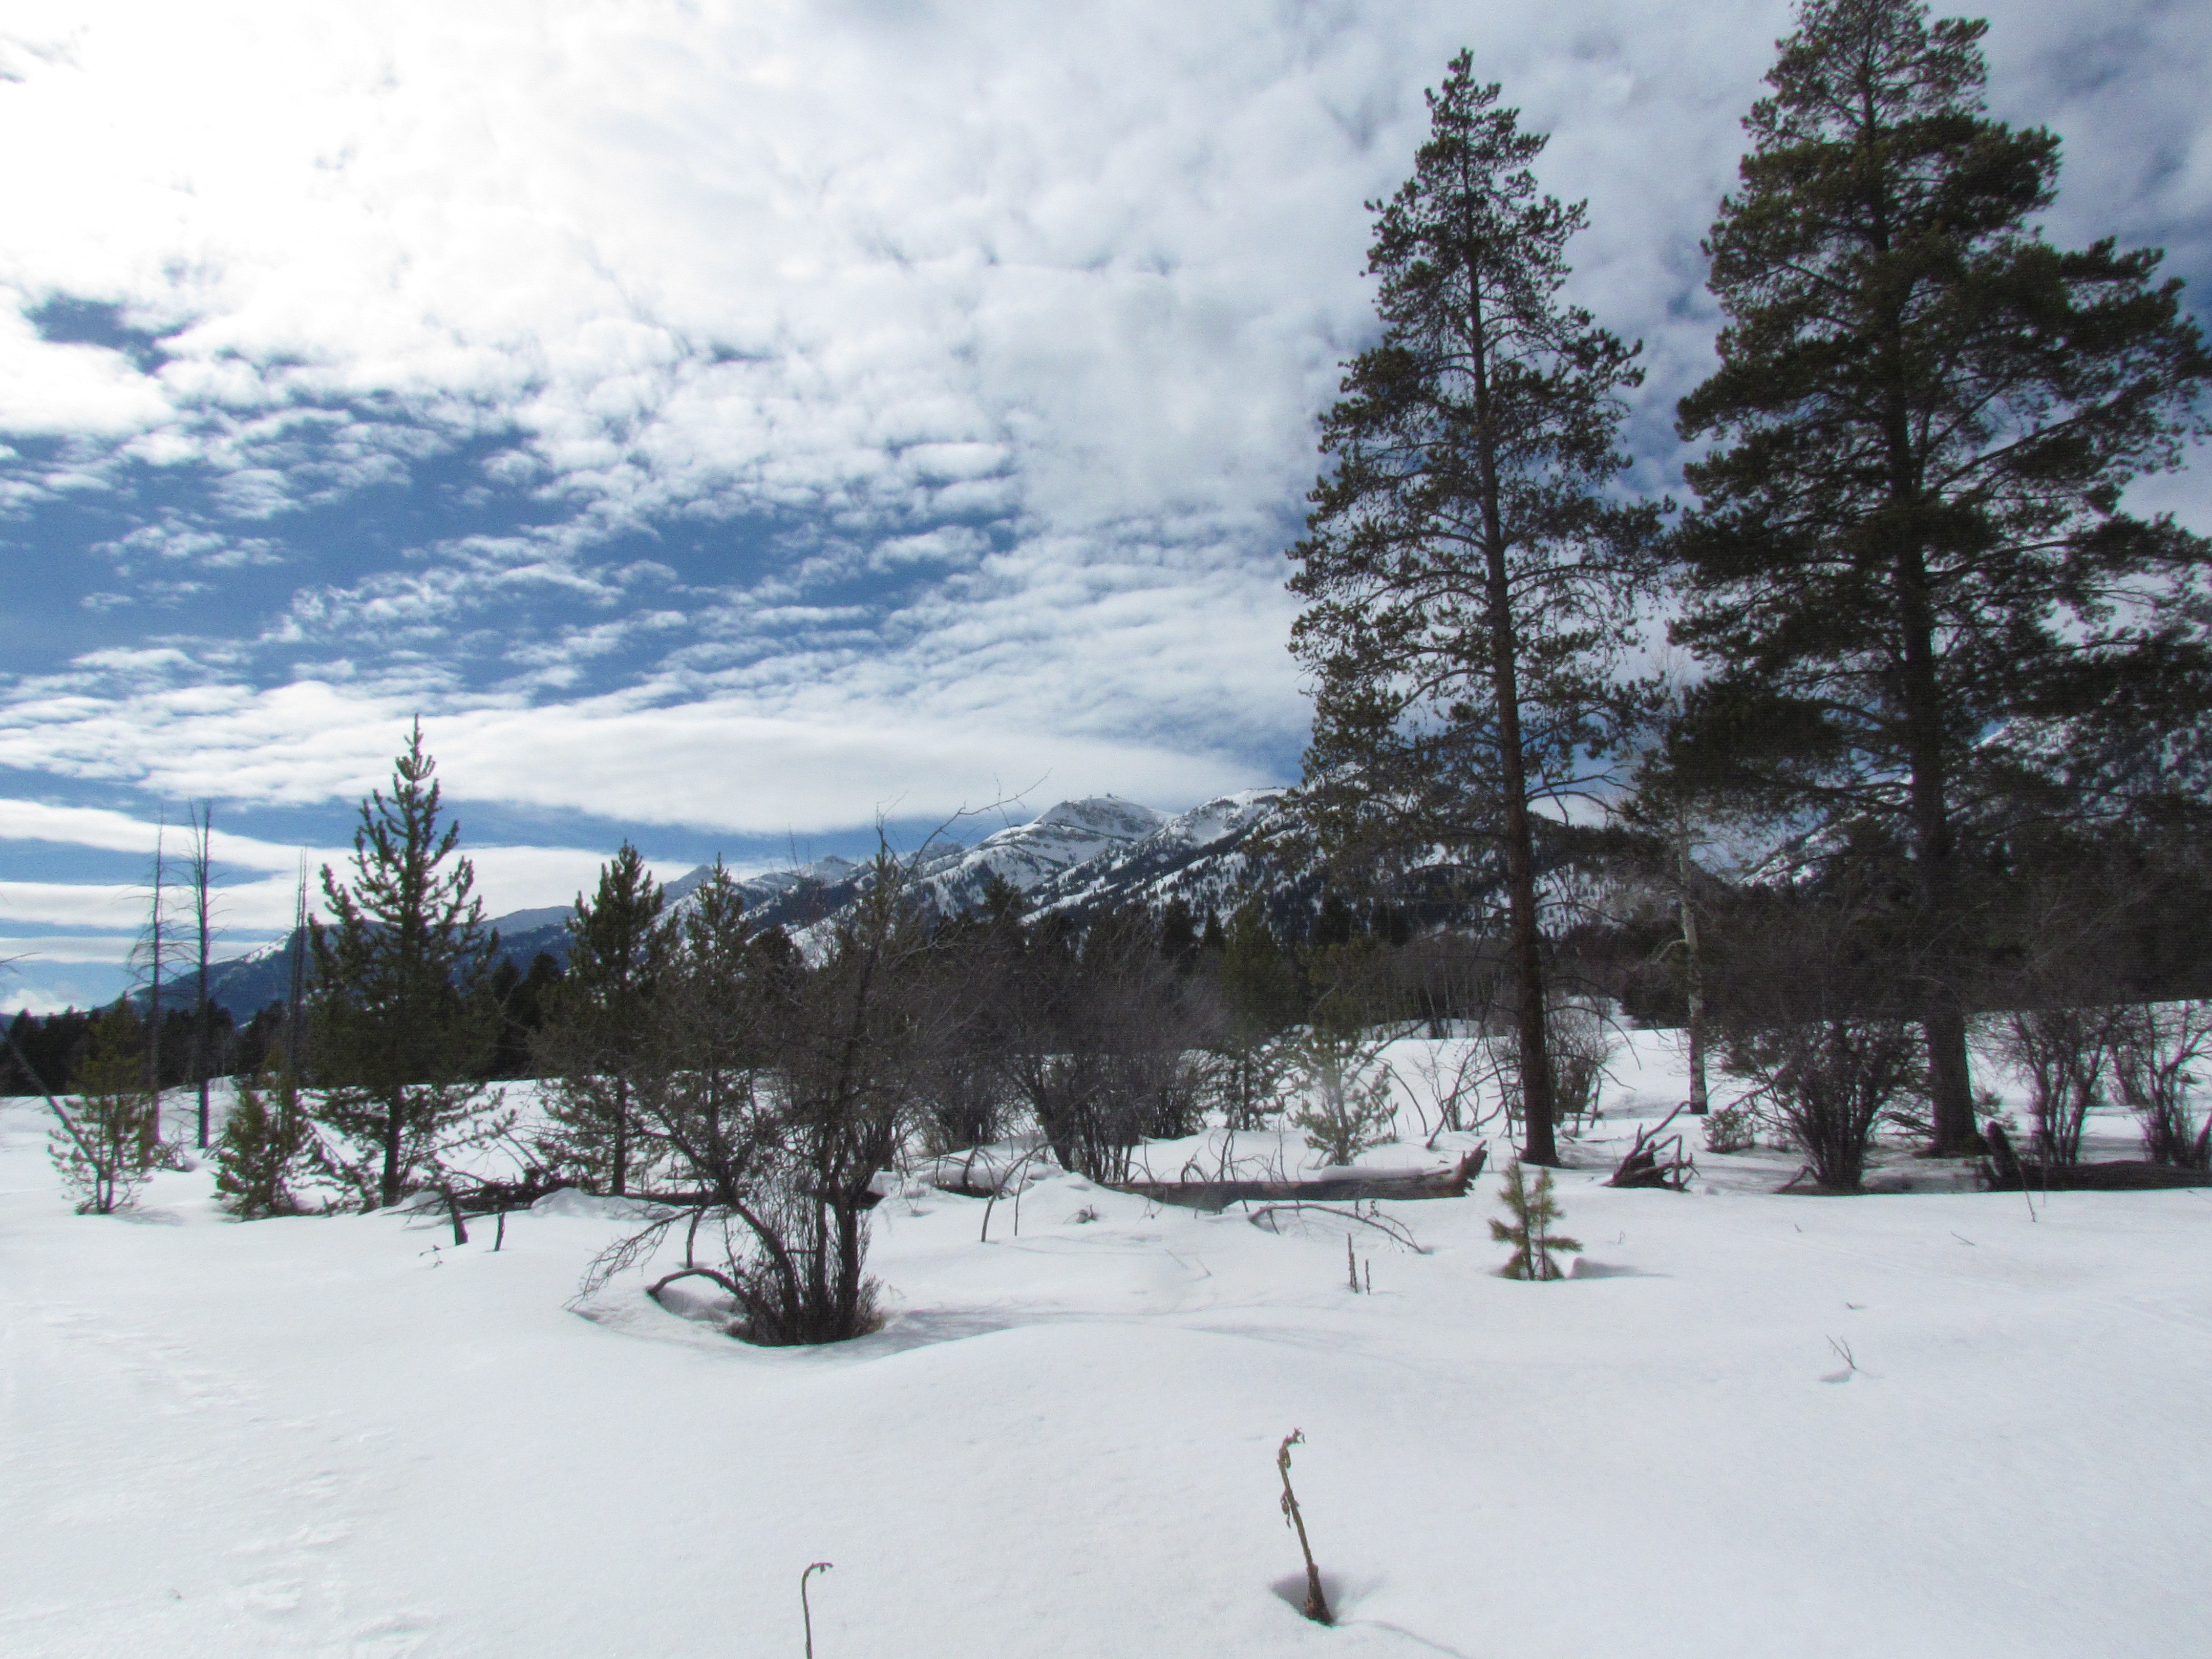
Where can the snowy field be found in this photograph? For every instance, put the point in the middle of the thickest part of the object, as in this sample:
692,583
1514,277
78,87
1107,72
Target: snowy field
348,1437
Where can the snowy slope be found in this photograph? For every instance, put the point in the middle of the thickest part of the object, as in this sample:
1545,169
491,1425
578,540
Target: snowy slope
949,877
1076,834
1202,856
348,1437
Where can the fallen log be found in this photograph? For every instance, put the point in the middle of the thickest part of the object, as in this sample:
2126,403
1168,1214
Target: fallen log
1338,1187
2006,1171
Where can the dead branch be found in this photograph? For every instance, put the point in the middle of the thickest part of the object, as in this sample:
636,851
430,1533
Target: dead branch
1652,1162
1389,1226
663,1283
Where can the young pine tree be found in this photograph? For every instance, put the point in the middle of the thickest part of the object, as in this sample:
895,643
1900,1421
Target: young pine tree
107,1145
264,1146
1910,550
596,1020
1534,1211
1469,583
397,1035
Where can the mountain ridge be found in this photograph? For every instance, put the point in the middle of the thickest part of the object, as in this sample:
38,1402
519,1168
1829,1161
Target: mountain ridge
1083,856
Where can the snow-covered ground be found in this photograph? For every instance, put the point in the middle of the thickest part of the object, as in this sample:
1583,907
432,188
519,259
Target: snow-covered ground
348,1437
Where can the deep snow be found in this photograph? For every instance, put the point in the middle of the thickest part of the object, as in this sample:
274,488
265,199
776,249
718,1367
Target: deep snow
345,1437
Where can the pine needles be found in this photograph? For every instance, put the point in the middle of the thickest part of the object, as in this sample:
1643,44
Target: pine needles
1533,1212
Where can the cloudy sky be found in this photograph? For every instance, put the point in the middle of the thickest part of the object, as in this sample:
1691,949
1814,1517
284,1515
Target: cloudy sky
727,424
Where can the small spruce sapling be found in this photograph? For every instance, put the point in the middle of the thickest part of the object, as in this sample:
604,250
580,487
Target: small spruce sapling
1534,1211
108,1147
264,1140
1348,1106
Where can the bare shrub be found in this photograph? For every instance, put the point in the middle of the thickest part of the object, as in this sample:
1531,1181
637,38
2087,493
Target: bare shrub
1582,1044
1827,1085
783,1089
1815,1016
1451,1077
2154,1049
2063,1053
1104,1045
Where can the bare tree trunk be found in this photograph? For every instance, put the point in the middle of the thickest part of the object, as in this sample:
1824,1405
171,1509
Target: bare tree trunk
157,953
202,826
1700,1100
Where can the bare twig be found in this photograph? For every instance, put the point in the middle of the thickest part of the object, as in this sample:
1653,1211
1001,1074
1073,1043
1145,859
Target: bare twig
1316,1607
1395,1230
804,1610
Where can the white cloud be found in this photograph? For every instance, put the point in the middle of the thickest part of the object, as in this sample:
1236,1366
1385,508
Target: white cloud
1031,312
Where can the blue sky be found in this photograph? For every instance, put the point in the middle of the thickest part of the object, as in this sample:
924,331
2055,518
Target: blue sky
726,425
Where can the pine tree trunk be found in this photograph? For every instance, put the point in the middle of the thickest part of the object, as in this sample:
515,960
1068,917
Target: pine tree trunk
1693,966
622,1137
394,1129
1524,941
1950,1079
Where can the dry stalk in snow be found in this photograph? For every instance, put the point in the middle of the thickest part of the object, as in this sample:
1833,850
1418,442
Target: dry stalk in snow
805,1611
1316,1607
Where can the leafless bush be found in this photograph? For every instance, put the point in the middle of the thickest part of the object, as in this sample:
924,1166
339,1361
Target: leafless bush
1103,1046
1826,1082
1580,1042
2063,1054
1451,1093
2154,1048
783,1088
1813,1019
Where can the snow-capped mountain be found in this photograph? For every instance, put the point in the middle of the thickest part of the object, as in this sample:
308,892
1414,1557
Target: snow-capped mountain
1025,856
1086,856
1204,857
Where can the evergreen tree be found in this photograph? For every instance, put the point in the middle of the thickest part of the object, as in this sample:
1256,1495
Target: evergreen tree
1468,584
264,1144
107,1146
596,1016
1534,1211
1910,553
520,1001
398,1033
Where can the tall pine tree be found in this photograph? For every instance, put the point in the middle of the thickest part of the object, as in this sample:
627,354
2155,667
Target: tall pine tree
398,1034
1469,583
1910,554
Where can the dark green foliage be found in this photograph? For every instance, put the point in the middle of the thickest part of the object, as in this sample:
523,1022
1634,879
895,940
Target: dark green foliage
595,1018
53,1046
1468,582
519,1001
1910,566
399,1032
263,1147
1533,1213
109,1140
